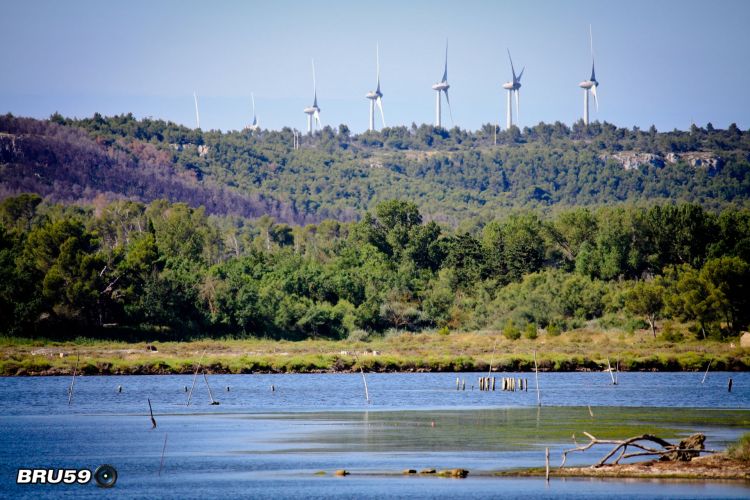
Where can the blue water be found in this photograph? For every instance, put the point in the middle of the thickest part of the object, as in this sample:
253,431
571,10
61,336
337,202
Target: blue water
260,443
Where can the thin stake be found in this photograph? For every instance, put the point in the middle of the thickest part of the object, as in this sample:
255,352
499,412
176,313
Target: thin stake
161,464
536,378
617,371
367,394
492,358
73,380
546,464
153,420
190,394
706,374
210,394
590,412
611,373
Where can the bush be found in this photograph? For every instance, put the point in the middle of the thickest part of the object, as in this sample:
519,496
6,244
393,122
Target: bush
511,332
669,334
741,449
553,330
444,331
530,331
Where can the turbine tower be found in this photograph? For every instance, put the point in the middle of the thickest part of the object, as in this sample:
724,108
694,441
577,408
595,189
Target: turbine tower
513,87
589,85
254,125
376,96
314,110
442,86
197,116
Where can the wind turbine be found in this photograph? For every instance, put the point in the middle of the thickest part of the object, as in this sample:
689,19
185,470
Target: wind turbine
376,96
589,85
442,86
254,125
511,87
314,110
197,116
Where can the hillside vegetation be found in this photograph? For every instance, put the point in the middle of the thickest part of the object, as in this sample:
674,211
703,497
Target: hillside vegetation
454,176
144,229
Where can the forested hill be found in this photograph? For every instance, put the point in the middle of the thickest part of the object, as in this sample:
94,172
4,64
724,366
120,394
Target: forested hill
452,175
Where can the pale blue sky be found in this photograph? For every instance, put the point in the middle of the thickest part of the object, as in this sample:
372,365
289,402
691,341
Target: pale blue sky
658,62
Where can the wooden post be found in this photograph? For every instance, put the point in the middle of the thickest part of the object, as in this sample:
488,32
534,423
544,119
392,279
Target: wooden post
546,464
707,367
153,420
164,448
458,384
526,385
611,373
729,387
210,394
536,377
119,388
195,375
489,372
463,385
73,380
493,384
367,393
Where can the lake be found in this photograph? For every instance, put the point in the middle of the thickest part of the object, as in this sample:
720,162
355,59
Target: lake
262,443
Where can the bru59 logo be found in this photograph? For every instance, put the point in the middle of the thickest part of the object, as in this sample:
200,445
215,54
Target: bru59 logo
104,475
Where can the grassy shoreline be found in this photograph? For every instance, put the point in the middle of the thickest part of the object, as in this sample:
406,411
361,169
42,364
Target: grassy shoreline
582,350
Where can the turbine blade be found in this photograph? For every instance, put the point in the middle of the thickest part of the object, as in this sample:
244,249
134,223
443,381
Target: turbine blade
315,88
445,73
593,73
252,96
520,75
518,109
447,99
511,66
596,99
317,119
380,105
377,61
197,115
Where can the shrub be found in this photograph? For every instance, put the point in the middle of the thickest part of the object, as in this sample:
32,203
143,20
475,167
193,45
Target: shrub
553,330
511,332
530,331
741,449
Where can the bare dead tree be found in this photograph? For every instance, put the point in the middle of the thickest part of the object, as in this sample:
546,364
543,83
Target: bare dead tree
685,450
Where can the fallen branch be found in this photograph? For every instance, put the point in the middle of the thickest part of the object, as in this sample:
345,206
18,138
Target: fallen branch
685,450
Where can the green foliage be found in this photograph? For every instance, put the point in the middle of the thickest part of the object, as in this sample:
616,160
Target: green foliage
510,331
168,271
741,449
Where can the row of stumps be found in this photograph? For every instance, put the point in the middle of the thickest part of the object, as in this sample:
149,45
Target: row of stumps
489,383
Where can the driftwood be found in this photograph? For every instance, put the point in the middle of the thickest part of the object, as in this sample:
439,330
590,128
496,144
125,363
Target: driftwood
684,451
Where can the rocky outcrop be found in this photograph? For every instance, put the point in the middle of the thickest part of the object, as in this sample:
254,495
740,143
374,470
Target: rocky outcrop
697,159
631,160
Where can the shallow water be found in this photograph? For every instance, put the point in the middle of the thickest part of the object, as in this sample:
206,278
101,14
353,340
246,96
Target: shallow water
263,443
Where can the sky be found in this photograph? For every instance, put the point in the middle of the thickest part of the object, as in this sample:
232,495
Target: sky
665,63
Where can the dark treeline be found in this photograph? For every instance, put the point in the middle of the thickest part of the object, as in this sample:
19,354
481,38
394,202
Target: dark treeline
452,175
166,271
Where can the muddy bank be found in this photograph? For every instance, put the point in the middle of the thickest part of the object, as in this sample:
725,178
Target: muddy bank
718,466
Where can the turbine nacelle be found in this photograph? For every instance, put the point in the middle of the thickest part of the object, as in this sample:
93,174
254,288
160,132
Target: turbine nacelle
374,95
441,86
512,85
588,84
